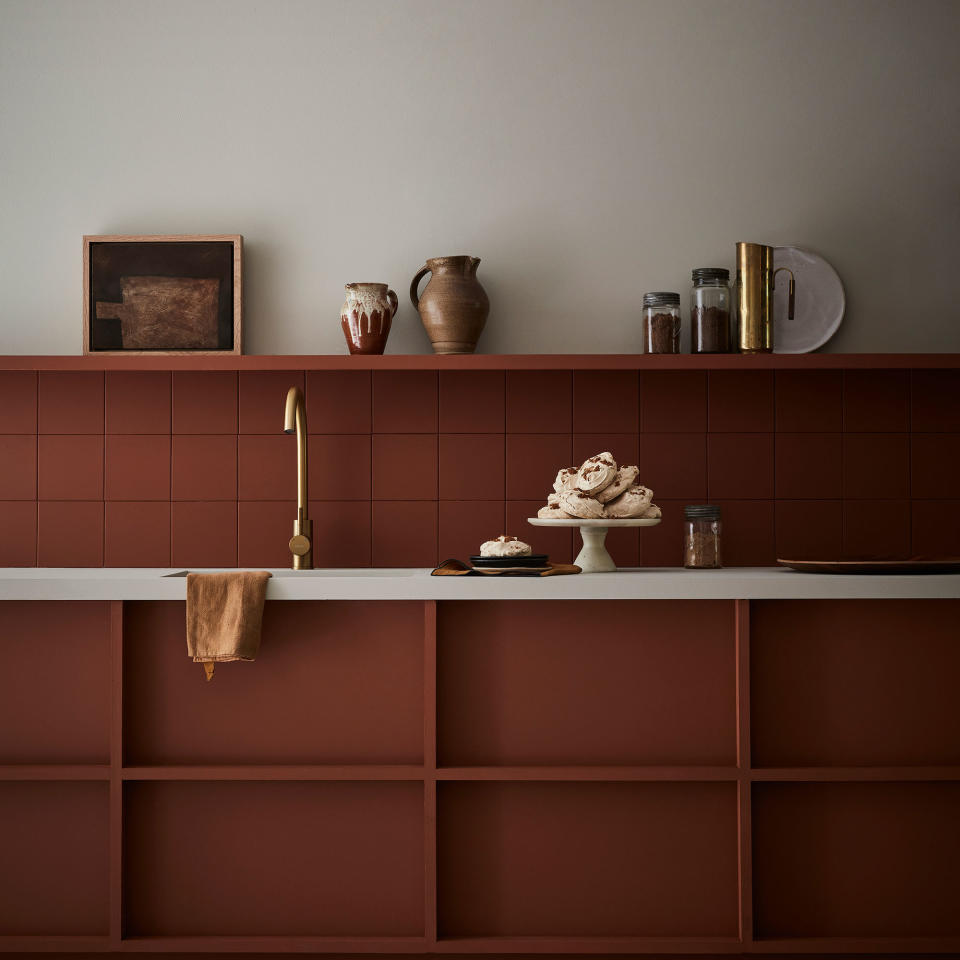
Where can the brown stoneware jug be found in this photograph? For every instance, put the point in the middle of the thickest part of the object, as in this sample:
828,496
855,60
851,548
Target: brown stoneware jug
453,306
366,316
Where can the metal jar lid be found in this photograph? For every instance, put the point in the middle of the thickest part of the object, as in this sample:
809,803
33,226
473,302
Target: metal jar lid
702,511
661,299
702,275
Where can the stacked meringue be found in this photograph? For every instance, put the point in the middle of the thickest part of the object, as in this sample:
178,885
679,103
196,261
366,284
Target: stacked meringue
598,490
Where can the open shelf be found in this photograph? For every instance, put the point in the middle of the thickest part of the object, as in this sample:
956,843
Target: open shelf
560,361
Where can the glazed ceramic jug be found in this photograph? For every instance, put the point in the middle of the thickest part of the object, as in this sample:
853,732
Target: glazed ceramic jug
366,316
454,306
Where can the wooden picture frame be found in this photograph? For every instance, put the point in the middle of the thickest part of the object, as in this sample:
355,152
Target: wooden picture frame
185,299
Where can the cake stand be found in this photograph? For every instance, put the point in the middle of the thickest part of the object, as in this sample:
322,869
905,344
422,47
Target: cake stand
593,558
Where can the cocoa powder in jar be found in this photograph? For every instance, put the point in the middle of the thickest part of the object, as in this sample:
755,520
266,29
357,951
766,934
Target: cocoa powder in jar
710,330
661,333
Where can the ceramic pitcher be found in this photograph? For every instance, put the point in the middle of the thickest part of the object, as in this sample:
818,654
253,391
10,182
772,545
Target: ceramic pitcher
453,306
366,316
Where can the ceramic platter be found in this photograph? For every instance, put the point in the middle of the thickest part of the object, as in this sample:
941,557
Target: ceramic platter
594,558
819,301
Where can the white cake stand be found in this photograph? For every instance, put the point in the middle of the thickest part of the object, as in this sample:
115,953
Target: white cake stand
593,558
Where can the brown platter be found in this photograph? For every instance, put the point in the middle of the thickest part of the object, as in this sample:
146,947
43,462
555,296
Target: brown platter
947,565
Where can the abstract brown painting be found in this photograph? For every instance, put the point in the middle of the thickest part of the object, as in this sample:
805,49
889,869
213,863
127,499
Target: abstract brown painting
162,294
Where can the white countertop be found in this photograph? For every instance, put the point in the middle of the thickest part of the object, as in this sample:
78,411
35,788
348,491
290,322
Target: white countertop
734,583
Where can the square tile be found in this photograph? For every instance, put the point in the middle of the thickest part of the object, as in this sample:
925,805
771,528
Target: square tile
533,462
809,401
18,467
465,524
624,447
18,541
740,466
539,401
404,533
876,529
747,534
741,401
876,465
405,466
556,542
70,534
136,468
341,533
267,467
809,529
472,401
206,402
339,467
934,465
607,400
472,466
662,545
339,401
203,533
204,468
936,528
264,528
137,402
673,401
674,466
876,400
18,401
136,534
809,466
70,402
262,398
404,401
70,468
935,405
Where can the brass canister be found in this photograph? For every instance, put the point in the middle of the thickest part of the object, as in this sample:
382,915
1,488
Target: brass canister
755,284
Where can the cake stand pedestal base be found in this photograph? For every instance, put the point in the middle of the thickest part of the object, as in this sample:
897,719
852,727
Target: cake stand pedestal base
594,558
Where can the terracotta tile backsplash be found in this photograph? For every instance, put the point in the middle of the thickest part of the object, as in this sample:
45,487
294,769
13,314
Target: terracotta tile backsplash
408,468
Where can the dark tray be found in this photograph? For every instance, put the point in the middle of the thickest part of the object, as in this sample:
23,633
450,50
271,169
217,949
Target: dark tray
534,560
951,565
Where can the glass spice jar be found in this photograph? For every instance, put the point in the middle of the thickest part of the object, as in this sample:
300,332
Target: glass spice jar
701,537
710,311
661,323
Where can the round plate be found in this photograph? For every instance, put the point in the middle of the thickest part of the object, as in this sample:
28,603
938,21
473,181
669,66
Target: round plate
576,522
531,560
819,301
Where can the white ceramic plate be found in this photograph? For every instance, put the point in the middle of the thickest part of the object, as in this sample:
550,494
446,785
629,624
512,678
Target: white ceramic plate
818,306
576,522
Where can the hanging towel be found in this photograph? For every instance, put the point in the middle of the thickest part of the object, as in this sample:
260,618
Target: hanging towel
224,616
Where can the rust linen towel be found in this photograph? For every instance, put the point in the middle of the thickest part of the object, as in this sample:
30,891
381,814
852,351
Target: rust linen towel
224,615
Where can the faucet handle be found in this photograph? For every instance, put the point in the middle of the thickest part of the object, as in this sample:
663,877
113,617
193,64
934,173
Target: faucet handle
299,545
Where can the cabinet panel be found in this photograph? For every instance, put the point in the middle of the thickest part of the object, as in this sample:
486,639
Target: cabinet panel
334,682
855,682
274,859
54,686
53,859
587,859
856,859
602,682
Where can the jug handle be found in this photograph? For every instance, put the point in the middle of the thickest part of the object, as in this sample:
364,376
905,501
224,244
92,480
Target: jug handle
421,273
791,290
394,303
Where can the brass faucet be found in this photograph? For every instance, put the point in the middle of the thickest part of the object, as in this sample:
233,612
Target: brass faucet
295,421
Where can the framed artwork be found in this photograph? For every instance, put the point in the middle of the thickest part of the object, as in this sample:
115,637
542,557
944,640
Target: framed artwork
162,295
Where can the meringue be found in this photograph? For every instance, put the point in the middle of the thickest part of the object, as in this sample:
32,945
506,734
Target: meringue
505,546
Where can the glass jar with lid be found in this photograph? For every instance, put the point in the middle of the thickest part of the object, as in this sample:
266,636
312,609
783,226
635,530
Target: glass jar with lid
701,537
710,311
661,322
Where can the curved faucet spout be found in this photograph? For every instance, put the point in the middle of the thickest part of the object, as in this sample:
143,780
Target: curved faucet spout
295,421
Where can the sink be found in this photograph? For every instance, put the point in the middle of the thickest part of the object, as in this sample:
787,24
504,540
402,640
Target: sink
300,574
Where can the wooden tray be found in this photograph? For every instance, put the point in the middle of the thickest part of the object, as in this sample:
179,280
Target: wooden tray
950,565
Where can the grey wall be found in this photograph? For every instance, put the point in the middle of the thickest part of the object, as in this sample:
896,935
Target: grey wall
587,150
